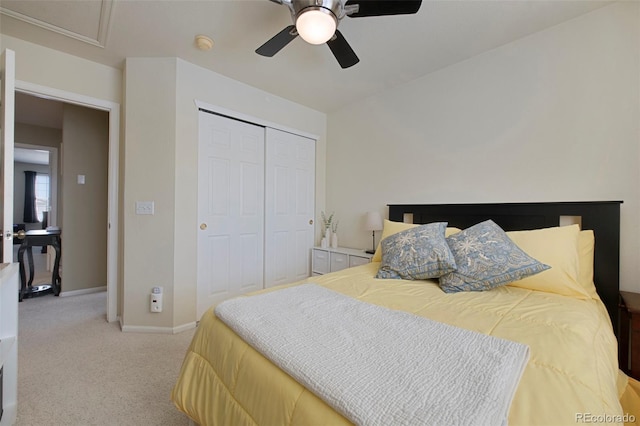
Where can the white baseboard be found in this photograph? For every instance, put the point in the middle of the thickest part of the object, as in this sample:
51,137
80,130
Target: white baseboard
159,330
185,327
83,291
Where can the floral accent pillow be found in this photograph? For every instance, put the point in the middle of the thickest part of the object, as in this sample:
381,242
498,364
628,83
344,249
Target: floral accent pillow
418,253
486,258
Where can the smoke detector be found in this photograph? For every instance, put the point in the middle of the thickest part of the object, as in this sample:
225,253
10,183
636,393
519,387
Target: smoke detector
203,42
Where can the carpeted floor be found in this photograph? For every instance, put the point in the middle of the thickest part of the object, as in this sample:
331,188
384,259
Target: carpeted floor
76,369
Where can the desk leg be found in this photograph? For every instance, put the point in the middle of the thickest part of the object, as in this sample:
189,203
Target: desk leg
56,282
31,267
23,278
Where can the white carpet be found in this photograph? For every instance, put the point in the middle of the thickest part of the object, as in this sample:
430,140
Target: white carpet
77,369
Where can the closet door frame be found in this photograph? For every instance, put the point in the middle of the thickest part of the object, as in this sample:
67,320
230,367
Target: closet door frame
251,119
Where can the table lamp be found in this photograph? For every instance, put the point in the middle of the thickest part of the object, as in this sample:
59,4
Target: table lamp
373,223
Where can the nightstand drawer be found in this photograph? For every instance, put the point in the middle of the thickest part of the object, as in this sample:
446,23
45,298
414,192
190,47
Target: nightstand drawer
339,261
329,259
320,261
357,261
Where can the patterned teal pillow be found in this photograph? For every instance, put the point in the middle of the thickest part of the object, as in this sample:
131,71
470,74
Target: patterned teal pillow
486,258
418,253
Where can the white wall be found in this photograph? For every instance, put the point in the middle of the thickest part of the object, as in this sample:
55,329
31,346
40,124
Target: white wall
550,117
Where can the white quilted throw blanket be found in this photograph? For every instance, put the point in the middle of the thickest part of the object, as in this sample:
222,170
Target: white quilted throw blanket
378,366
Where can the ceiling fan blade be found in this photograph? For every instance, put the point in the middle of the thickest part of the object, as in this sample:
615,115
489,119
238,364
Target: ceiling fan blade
384,7
342,51
278,41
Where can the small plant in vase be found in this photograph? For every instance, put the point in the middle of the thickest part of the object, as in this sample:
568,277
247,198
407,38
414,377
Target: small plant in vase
334,234
327,223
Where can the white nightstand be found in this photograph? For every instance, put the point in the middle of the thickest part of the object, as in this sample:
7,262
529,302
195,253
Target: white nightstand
325,260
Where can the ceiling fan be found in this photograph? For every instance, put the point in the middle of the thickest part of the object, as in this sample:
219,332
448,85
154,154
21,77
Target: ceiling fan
316,21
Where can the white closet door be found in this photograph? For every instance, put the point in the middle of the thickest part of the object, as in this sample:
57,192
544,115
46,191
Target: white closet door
230,209
289,207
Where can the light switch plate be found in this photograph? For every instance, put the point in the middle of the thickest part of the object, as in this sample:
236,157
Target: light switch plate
144,207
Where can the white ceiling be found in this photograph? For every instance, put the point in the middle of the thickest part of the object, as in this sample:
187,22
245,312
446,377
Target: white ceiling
392,49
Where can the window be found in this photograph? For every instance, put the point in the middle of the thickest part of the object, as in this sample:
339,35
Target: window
42,195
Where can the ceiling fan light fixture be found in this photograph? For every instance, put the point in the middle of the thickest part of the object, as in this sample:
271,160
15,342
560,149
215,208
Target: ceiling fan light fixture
316,25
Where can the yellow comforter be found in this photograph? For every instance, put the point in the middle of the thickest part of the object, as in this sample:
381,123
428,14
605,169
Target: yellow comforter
572,375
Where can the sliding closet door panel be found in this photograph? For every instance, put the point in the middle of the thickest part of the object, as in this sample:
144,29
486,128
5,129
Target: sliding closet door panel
218,250
278,264
302,264
289,207
230,209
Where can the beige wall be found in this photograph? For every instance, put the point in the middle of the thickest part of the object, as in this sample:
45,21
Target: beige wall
551,117
86,144
84,207
37,135
196,83
60,71
158,161
51,68
162,124
149,175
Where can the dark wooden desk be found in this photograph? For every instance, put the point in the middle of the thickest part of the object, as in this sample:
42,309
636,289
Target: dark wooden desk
39,238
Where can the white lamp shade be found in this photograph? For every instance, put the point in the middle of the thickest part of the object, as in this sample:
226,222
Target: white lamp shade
373,221
316,26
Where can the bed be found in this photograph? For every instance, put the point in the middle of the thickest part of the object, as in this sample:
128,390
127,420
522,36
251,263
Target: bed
572,373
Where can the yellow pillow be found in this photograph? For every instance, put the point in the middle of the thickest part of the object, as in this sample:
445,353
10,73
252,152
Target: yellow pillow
391,228
586,245
558,248
451,230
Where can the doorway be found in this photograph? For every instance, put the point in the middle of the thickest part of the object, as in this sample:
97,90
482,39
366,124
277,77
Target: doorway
38,165
37,96
44,161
